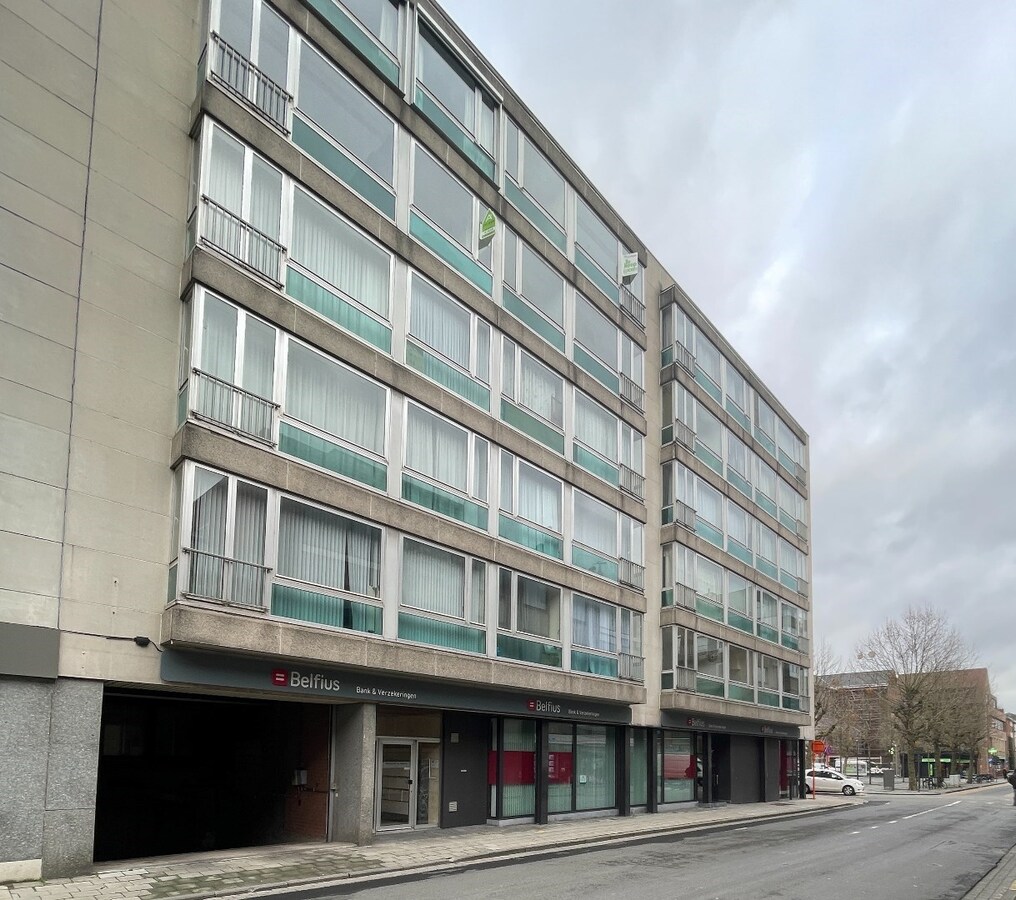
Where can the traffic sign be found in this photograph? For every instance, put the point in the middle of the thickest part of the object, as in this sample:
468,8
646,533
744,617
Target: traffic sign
818,747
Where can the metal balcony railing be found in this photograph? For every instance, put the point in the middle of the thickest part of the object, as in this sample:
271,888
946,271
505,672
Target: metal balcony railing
237,409
241,241
632,668
632,574
634,307
684,515
683,357
215,577
239,76
684,596
633,483
684,435
632,394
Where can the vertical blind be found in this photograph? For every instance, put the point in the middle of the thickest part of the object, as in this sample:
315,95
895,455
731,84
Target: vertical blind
433,579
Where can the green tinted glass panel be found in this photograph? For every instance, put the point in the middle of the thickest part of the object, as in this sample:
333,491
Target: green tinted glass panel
705,530
711,388
340,311
430,237
741,418
181,405
741,552
741,692
787,463
530,537
767,699
595,368
511,647
709,687
353,35
768,505
595,464
789,521
789,640
453,131
596,276
667,356
536,429
438,370
522,310
340,165
708,457
766,567
593,663
441,634
768,634
791,703
667,597
535,215
448,504
737,481
667,515
667,681
710,610
327,455
323,609
171,588
593,562
788,581
765,441
740,622
667,434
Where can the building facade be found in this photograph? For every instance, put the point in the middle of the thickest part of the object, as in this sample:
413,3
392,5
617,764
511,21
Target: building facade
361,468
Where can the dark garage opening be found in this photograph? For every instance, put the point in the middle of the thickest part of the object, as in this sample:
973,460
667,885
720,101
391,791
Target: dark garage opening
184,773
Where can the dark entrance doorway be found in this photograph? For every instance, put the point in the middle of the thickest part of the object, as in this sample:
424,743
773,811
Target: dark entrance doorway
182,773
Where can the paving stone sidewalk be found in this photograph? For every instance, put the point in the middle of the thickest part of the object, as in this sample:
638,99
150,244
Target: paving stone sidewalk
230,872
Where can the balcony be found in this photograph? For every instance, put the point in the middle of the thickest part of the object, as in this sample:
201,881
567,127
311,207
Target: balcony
632,394
241,78
684,435
684,358
240,241
633,483
632,574
684,679
234,408
215,577
632,668
684,596
684,515
633,307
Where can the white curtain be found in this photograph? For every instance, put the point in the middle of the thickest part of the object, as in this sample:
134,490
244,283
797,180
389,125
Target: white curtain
336,252
595,427
737,524
709,504
249,544
542,286
541,390
225,174
539,498
218,339
595,524
538,609
439,322
235,23
766,543
437,448
335,399
594,624
208,532
323,548
433,579
708,580
258,358
265,198
478,592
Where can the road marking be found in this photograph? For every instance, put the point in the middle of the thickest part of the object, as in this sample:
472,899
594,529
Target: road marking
873,827
855,832
893,821
933,809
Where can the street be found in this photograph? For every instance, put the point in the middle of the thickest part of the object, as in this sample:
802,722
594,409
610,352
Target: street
905,847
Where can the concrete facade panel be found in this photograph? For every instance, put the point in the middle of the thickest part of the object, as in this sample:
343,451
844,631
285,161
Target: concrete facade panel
67,841
83,13
37,363
38,253
110,431
122,586
30,565
23,608
36,307
47,214
37,56
130,346
119,291
127,255
33,451
22,402
43,114
31,508
102,471
102,387
57,27
117,528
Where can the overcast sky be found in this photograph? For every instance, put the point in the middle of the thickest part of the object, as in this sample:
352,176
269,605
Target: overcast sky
834,184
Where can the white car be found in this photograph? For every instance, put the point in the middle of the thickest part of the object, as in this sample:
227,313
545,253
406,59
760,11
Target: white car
832,782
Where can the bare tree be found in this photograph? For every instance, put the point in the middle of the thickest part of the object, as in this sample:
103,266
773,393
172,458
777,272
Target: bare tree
919,649
837,719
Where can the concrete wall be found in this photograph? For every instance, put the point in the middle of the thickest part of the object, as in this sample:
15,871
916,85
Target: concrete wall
354,734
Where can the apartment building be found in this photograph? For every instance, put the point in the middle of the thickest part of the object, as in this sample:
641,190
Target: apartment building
361,469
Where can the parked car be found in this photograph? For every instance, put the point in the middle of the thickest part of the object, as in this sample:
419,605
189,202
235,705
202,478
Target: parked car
982,777
830,782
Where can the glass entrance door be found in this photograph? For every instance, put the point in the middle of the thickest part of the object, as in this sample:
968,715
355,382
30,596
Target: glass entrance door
408,789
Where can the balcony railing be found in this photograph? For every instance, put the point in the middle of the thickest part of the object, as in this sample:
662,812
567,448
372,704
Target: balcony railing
632,394
634,307
215,577
684,515
632,668
236,409
633,483
684,596
239,76
241,241
684,435
683,357
632,574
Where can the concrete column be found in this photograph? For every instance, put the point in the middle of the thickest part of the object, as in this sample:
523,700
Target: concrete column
354,738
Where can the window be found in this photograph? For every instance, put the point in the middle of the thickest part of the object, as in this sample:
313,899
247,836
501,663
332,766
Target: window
791,679
790,503
380,18
322,548
677,328
595,239
529,493
632,361
594,624
737,393
453,91
766,550
535,279
707,363
768,615
532,385
795,620
739,527
328,247
224,538
765,425
446,453
596,427
335,399
768,673
738,465
738,595
449,329
437,581
596,334
709,437
595,524
343,113
528,606
709,656
739,665
534,185
708,580
709,512
631,539
767,485
632,449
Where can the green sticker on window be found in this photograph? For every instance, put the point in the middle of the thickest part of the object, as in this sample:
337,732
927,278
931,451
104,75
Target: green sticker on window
488,226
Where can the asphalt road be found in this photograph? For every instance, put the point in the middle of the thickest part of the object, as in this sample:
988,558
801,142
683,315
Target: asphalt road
900,847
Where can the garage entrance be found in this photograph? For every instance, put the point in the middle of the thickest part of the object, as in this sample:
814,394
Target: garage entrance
180,773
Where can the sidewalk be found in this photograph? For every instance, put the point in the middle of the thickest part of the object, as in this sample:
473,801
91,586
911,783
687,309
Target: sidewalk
390,857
